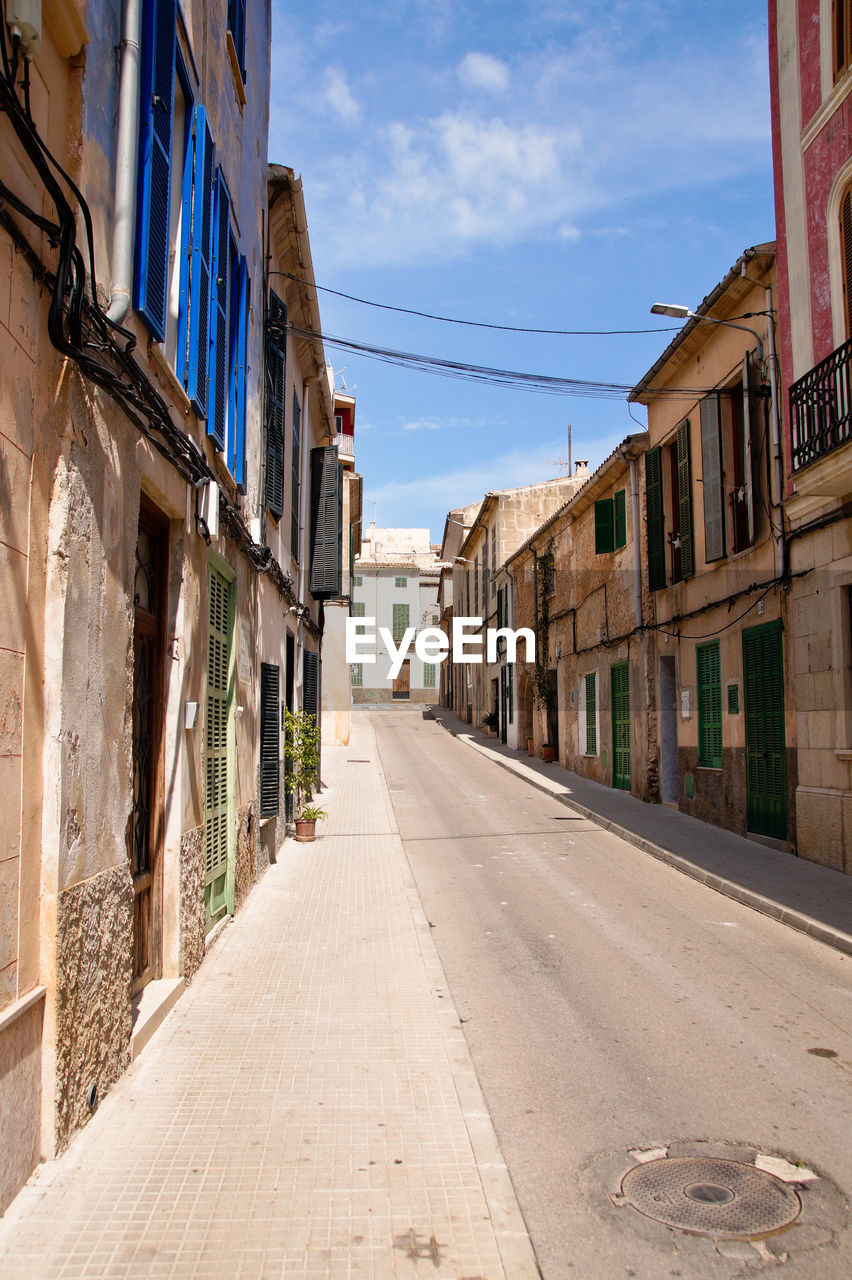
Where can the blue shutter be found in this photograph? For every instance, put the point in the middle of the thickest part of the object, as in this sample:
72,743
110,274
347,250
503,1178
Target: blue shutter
198,342
242,309
156,109
219,280
276,347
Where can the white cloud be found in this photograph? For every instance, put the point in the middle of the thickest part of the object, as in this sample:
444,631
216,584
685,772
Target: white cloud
482,71
338,96
421,426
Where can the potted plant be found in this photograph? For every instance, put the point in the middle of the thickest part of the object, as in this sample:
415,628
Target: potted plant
490,722
301,752
306,823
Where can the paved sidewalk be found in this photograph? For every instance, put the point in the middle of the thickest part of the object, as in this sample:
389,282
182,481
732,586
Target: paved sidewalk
813,899
309,1109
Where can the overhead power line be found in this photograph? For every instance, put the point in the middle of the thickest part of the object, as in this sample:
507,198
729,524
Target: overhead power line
538,383
474,324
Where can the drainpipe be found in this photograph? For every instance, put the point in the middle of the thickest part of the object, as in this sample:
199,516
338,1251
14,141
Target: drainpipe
125,163
776,435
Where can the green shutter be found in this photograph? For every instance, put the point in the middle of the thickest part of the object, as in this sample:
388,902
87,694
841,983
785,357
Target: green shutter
216,763
604,526
325,522
712,478
358,608
684,495
400,621
655,519
269,739
591,714
763,703
310,683
429,675
620,518
357,674
709,705
620,699
400,582
510,680
295,481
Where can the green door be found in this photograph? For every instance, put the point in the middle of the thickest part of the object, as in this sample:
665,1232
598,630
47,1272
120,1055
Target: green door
766,766
504,702
217,780
620,696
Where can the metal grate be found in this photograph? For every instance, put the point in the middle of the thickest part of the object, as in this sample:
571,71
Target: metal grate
724,1199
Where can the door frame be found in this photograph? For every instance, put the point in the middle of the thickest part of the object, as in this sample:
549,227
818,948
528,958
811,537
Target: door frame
620,781
221,566
780,831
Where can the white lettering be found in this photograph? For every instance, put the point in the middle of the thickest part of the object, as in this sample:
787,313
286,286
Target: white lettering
397,655
354,641
461,641
512,638
431,644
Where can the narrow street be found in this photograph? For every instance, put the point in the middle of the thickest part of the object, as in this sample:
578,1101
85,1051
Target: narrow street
612,1004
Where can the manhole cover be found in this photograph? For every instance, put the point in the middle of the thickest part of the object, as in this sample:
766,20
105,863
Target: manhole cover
720,1198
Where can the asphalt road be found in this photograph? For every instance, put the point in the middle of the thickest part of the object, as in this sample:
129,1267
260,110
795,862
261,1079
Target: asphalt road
612,1004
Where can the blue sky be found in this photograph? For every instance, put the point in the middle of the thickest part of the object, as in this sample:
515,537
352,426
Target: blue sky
541,163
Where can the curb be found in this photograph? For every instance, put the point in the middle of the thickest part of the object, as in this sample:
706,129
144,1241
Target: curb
797,920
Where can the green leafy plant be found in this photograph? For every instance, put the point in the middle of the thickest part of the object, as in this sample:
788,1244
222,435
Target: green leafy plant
544,569
301,753
311,813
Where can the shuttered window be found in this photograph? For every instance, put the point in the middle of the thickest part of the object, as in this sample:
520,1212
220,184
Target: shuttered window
270,677
216,744
842,36
237,28
684,494
276,348
199,201
357,581
400,582
620,518
712,478
237,369
655,519
310,683
219,299
400,621
709,682
429,675
295,483
591,707
326,522
358,608
357,670
499,607
604,526
846,254
157,85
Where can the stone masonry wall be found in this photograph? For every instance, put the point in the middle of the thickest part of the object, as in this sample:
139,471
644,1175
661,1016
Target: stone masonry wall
191,901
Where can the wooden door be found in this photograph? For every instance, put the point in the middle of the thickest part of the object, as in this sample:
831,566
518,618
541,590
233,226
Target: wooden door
147,819
766,771
620,697
402,683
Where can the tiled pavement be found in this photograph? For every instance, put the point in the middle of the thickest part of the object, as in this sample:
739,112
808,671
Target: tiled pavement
308,1109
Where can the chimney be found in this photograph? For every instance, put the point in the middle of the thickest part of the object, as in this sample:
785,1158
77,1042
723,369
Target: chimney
582,472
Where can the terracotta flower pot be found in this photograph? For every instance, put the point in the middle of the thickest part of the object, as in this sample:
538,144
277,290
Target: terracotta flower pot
306,829
530,747
548,754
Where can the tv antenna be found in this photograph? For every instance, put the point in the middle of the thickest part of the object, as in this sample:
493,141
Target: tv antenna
563,462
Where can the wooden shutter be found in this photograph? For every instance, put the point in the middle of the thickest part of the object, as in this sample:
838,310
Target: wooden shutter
591,706
684,494
237,28
325,522
846,254
295,481
709,705
219,336
216,775
401,621
604,526
620,518
656,532
238,467
310,683
201,248
712,478
748,466
156,111
581,716
276,348
270,678
510,680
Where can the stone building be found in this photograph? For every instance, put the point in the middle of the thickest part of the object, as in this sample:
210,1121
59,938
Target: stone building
580,583
395,584
503,519
152,574
714,562
810,62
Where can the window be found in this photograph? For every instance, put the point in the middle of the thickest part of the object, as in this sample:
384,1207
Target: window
476,587
712,478
842,37
358,608
275,373
493,555
682,458
611,523
400,582
357,581
269,739
357,670
485,581
709,705
326,522
655,519
400,621
846,257
229,302
237,32
587,717
429,674
310,683
295,463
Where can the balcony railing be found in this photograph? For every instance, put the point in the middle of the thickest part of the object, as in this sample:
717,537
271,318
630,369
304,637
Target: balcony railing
345,444
821,408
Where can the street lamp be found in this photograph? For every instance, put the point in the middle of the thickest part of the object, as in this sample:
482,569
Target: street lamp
679,312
